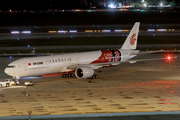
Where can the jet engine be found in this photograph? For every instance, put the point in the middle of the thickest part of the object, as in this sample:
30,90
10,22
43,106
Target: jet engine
84,72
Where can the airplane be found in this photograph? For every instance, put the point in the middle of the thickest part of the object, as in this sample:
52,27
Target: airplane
82,64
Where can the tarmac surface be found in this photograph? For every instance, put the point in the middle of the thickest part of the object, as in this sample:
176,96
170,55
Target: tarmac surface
150,86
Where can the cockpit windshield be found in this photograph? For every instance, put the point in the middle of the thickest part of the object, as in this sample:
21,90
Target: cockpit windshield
11,66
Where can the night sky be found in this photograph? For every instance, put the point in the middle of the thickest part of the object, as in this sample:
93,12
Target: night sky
37,5
50,4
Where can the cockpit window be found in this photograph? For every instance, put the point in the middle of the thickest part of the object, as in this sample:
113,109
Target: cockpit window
12,66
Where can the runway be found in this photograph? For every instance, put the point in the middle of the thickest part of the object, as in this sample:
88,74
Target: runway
150,86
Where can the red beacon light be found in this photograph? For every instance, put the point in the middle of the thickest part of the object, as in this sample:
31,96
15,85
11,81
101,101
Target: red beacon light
169,57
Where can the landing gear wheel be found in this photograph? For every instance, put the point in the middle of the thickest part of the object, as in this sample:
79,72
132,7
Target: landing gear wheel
7,85
63,75
94,77
67,75
72,75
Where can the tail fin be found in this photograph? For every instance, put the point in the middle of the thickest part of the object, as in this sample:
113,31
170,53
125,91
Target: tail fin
131,40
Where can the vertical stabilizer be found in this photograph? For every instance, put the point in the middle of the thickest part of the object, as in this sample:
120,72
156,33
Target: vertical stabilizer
131,40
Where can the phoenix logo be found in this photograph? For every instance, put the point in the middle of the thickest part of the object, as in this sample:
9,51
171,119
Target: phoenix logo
133,39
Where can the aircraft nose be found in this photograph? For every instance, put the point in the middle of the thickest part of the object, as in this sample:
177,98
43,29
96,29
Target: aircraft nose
6,71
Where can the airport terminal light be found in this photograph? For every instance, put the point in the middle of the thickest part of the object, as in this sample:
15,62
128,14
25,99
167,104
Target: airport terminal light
72,31
117,30
145,5
61,31
106,30
25,32
151,30
161,4
14,32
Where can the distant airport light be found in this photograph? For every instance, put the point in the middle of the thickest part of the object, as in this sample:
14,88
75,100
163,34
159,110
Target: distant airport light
151,30
161,4
73,31
112,6
106,30
161,30
14,32
28,46
145,5
88,30
52,31
125,30
118,30
61,31
26,32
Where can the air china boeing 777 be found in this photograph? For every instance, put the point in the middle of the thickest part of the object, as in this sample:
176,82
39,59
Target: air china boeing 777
82,64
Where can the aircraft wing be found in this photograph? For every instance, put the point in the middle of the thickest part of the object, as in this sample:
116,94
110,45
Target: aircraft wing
146,52
150,52
99,65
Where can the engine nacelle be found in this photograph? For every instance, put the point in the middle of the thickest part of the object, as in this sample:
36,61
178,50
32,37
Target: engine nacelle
84,72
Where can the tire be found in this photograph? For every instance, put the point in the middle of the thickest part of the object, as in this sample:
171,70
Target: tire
72,75
63,75
7,84
67,75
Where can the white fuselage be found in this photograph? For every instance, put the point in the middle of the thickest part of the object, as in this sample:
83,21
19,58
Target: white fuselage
35,66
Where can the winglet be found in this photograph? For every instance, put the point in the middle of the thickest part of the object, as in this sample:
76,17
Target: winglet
131,40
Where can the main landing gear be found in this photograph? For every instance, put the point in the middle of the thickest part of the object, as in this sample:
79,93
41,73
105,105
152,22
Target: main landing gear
94,77
67,75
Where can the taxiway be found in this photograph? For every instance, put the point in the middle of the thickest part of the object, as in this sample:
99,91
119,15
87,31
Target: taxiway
149,86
